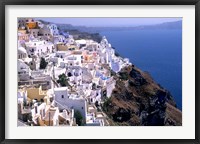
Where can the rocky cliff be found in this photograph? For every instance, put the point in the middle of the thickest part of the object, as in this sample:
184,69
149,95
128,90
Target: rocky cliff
139,100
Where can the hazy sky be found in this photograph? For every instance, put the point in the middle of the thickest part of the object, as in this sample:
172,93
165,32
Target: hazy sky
110,21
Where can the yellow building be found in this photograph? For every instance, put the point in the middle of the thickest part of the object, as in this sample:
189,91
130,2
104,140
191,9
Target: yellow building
36,93
31,23
63,47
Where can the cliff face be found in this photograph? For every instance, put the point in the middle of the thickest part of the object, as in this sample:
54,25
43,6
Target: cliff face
138,100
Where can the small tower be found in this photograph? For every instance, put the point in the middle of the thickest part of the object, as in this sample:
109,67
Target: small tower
53,78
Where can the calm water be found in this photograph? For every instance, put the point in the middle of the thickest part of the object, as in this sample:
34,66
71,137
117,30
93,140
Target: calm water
157,51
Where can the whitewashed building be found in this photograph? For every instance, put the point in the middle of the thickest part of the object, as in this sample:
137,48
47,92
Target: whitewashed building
23,70
74,74
64,99
22,53
39,47
53,29
74,60
40,24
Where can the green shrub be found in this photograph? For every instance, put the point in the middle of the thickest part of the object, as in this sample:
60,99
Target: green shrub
79,118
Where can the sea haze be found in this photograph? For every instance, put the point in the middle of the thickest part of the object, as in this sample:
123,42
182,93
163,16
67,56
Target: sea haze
157,51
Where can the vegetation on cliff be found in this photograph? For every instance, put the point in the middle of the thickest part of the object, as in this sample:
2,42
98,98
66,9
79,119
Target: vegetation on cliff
138,100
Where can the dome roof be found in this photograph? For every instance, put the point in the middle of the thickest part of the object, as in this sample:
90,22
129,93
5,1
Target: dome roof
104,40
22,50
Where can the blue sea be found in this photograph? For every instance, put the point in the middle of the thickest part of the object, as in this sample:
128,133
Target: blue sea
158,52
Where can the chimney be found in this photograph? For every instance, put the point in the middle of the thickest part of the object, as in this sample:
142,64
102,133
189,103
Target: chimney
35,106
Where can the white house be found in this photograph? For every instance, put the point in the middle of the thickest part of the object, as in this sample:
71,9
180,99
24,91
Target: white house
66,117
45,115
95,95
53,29
87,76
39,47
40,24
110,85
91,120
23,70
104,42
59,39
21,22
86,87
61,54
46,34
74,59
74,74
115,65
22,53
21,95
80,43
70,40
64,100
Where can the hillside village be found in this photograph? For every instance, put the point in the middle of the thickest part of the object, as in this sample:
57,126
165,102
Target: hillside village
63,81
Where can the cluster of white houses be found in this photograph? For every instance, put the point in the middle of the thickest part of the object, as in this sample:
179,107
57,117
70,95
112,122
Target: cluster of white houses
87,65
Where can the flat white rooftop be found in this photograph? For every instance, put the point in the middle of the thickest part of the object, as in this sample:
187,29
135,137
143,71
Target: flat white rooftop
60,89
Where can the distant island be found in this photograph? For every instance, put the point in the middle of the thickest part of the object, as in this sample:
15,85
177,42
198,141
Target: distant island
166,25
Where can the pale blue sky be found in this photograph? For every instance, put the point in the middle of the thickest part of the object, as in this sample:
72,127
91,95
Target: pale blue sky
110,21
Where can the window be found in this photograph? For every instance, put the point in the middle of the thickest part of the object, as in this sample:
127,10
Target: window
62,96
82,107
69,74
